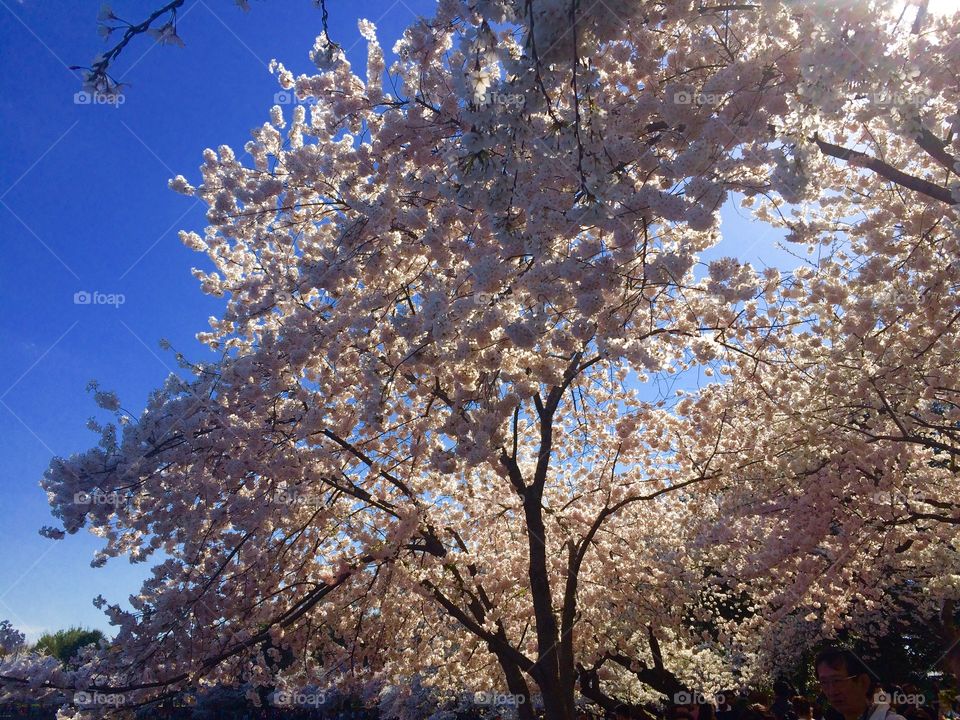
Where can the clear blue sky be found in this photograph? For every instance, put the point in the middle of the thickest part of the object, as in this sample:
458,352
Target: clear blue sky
84,207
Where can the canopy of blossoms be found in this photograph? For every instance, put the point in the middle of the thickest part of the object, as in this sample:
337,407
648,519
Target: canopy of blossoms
444,439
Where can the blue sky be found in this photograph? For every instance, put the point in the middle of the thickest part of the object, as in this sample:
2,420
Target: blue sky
84,207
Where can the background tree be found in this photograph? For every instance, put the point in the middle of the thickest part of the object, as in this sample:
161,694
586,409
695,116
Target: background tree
65,644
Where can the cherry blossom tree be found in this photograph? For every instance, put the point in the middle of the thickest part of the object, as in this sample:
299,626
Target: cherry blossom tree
35,675
445,447
11,639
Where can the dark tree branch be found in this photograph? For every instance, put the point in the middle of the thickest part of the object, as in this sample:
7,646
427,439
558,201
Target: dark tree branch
911,182
99,72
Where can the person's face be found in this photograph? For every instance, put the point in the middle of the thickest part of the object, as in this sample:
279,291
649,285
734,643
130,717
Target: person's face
847,695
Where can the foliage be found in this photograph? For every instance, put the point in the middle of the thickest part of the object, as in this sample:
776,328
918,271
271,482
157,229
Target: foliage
65,644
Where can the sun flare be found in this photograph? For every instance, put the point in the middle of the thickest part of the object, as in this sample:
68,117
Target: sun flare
943,7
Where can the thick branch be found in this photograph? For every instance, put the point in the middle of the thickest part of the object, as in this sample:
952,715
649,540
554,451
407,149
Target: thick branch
911,182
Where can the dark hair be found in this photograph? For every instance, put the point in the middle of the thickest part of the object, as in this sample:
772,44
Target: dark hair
757,711
801,706
834,657
782,688
705,711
